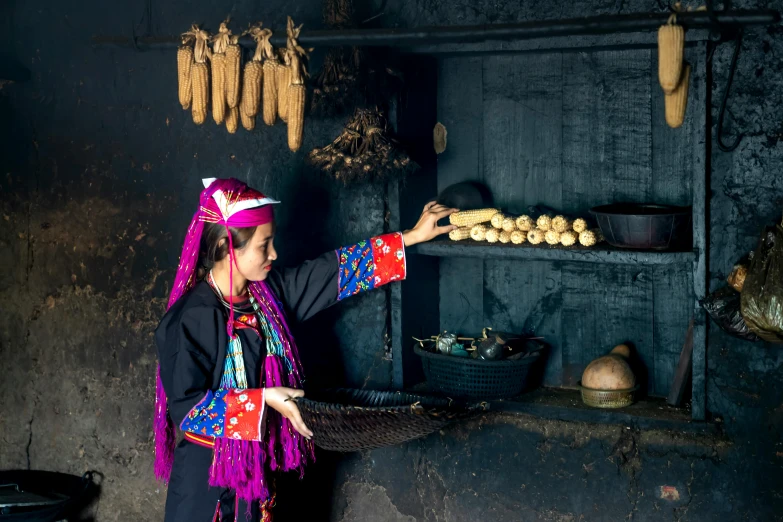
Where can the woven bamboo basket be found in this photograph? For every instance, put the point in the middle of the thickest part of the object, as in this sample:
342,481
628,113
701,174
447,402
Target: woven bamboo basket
607,398
353,420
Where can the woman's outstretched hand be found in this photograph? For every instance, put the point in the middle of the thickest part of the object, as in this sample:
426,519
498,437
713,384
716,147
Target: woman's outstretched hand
427,227
279,399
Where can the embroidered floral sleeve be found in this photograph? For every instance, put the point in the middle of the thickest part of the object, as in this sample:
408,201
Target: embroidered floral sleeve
370,264
234,413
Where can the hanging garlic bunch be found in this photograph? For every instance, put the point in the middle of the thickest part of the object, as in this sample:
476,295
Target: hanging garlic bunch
364,149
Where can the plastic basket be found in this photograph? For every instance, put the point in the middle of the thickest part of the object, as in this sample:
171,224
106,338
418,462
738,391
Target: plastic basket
467,378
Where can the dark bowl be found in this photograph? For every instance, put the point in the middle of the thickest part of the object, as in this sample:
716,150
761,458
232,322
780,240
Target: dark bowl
644,226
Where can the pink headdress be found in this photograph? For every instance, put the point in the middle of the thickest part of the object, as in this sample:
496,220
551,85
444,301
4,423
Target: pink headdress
234,204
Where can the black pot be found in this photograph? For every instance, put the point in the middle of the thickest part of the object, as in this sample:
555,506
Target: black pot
44,496
644,226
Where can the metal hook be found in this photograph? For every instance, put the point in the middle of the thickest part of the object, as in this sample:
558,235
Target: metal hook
722,146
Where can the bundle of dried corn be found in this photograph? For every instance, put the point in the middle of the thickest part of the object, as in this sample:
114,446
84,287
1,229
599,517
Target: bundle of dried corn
250,100
673,71
199,76
184,66
220,44
365,149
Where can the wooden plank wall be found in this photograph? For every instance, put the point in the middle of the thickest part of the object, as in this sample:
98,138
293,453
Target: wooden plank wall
569,130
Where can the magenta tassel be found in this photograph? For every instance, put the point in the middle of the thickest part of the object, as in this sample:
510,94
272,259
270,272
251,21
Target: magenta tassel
163,430
238,464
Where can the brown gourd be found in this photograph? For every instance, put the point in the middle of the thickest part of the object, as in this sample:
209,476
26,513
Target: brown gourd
610,372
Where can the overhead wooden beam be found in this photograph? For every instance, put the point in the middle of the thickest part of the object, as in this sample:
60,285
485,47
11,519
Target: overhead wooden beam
407,37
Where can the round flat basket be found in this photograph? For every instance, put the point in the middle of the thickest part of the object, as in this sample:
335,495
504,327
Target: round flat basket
352,420
467,378
607,398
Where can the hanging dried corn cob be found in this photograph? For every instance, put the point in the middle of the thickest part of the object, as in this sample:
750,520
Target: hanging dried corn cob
233,68
251,81
468,218
504,237
671,49
497,220
248,122
184,66
269,95
535,236
199,74
218,59
517,237
232,120
295,100
525,223
296,106
458,234
579,225
478,232
283,80
677,102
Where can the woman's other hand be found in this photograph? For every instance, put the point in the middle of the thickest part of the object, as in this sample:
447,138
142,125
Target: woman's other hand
427,227
279,399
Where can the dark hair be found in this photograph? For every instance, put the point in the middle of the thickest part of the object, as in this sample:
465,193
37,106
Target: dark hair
212,250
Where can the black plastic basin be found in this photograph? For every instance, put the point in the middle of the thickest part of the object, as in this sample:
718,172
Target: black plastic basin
644,226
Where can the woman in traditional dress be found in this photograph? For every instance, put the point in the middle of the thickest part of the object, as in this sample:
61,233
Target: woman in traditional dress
228,363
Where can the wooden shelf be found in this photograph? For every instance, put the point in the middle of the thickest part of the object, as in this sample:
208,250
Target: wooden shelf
565,404
602,254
